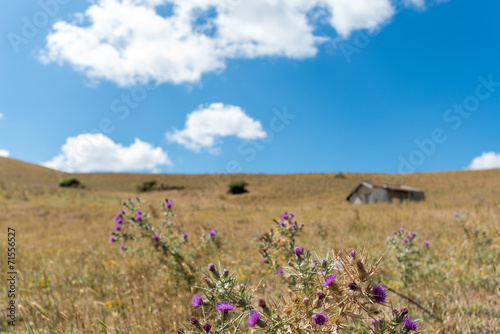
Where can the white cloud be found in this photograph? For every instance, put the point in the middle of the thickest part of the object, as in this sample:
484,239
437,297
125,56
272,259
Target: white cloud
1,115
487,160
129,42
351,15
206,125
96,152
4,153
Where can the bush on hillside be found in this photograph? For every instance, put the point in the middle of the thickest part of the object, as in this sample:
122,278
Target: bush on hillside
70,183
152,186
238,187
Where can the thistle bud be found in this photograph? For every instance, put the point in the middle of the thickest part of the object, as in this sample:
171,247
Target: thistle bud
361,269
196,323
207,281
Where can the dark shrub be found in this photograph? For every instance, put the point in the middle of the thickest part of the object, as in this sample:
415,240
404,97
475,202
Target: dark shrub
339,175
70,183
152,186
146,186
238,187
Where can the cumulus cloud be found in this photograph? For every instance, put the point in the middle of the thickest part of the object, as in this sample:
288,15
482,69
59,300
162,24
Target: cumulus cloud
205,126
4,153
133,42
487,160
96,152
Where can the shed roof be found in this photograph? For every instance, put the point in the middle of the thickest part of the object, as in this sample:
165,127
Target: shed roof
372,184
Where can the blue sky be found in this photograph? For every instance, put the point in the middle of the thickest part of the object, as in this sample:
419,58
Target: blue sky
251,88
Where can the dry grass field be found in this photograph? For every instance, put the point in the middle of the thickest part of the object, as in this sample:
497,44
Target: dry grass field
72,280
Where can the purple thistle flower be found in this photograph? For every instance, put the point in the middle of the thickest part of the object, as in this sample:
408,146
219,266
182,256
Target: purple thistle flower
119,221
211,267
207,327
394,232
212,232
118,227
122,211
457,215
123,203
320,319
197,300
122,246
156,237
253,318
298,251
225,307
138,218
410,324
139,212
379,294
408,236
185,235
118,217
402,230
285,216
279,271
321,295
169,203
427,243
292,214
329,280
405,241
414,234
194,321
112,239
262,303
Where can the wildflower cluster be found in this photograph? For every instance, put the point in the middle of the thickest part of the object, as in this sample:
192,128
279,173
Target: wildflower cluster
173,245
400,322
225,304
409,254
478,238
478,251
328,295
325,294
277,247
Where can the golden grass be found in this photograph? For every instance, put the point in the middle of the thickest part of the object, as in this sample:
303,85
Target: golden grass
73,281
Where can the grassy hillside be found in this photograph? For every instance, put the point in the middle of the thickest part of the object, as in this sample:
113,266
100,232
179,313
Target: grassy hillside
71,275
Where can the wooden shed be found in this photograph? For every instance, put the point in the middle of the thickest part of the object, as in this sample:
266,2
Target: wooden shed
374,192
